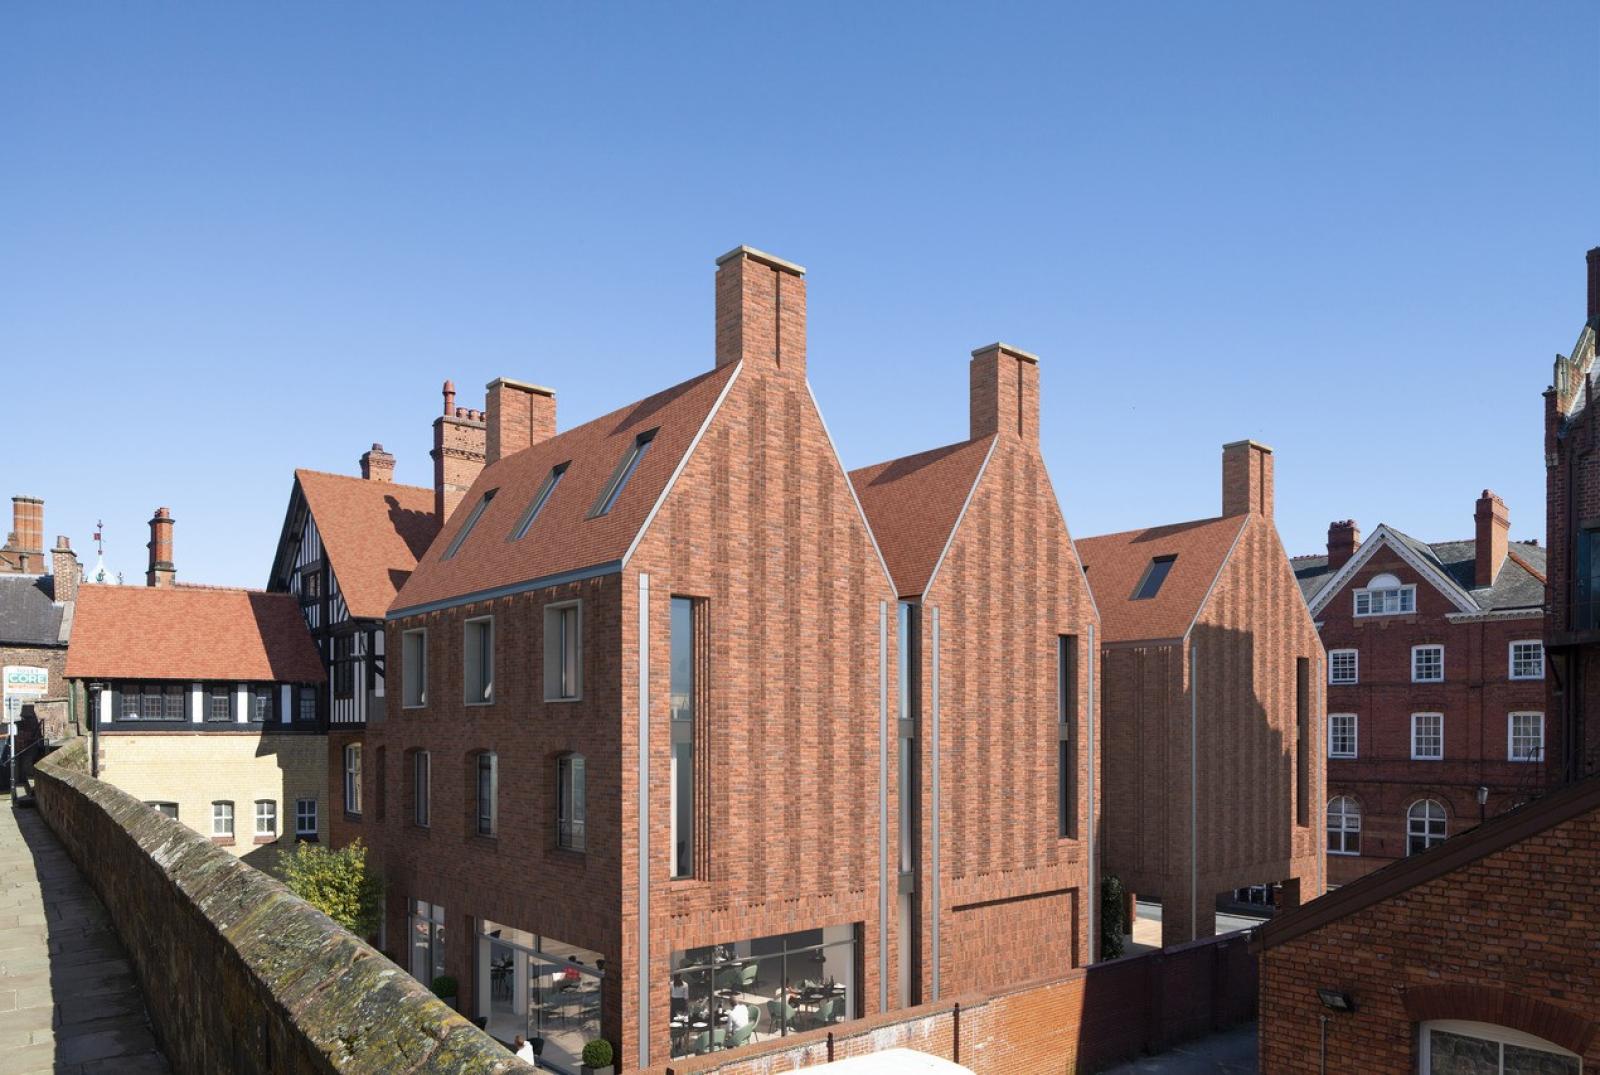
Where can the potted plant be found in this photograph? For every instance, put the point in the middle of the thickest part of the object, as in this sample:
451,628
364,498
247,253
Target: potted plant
597,1057
444,987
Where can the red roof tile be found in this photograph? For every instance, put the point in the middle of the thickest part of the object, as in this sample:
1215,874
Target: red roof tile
1116,563
372,533
564,537
190,632
913,504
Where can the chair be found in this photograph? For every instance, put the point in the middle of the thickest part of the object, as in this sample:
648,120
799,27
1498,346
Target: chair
727,978
742,1034
781,1012
719,1038
748,975
701,1042
824,1014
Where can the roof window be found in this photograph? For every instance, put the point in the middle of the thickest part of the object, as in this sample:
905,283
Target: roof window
1154,576
624,471
539,500
466,528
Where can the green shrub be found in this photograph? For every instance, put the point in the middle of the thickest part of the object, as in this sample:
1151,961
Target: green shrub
338,884
444,986
1111,916
597,1054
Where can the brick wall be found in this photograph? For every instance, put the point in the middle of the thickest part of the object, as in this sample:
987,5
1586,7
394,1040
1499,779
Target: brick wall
249,978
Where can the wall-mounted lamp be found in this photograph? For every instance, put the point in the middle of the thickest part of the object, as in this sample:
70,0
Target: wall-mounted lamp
1483,802
1336,1001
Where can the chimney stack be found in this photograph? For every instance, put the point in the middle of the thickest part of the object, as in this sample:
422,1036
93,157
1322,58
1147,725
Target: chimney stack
1004,392
458,453
1493,525
377,465
1246,478
161,571
519,416
761,311
1344,538
26,540
1594,284
64,567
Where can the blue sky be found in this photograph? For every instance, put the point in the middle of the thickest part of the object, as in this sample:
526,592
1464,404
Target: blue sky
238,239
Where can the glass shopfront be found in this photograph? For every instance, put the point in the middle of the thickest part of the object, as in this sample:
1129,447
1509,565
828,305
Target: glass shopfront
427,941
544,989
729,995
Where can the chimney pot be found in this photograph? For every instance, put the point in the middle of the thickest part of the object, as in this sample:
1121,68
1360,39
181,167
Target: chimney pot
517,416
161,572
761,311
1490,545
1003,392
449,397
1246,478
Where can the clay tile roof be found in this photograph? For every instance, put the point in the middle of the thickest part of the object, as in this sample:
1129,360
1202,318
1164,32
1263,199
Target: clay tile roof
1116,563
564,538
913,504
190,632
372,533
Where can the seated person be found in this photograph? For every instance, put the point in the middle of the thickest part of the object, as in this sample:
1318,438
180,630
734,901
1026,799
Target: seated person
738,1017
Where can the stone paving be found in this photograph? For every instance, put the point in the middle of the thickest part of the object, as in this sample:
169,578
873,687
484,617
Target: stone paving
1232,1052
68,999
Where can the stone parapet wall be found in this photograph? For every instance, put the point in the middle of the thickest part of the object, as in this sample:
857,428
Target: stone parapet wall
247,977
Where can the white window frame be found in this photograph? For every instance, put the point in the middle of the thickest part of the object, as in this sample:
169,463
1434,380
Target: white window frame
217,818
1344,829
270,815
1355,736
1355,667
487,697
1416,650
1485,1032
413,671
1405,597
554,655
352,778
1415,718
300,829
1429,840
1511,737
1511,658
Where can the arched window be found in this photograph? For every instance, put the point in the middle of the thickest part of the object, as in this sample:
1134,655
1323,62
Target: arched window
1344,826
1425,825
1457,1045
1385,595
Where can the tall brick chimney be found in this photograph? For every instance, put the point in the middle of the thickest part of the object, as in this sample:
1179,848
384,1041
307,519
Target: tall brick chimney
66,571
1594,284
377,465
1493,524
161,572
1004,392
1344,538
25,544
458,453
761,311
518,416
1246,478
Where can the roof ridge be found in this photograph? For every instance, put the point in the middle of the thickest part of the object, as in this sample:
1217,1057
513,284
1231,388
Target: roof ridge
926,451
358,478
1165,526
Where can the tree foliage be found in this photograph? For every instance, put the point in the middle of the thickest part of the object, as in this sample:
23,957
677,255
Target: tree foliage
1111,916
337,883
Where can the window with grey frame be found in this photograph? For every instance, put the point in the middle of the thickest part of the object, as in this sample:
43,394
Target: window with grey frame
307,707
414,668
488,769
263,703
571,807
908,675
479,661
563,651
421,789
1066,735
686,622
219,705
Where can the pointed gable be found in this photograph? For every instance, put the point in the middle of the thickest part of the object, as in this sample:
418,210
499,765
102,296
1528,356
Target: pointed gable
1117,564
914,503
372,534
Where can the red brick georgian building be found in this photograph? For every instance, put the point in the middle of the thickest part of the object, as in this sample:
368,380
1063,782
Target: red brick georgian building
1436,684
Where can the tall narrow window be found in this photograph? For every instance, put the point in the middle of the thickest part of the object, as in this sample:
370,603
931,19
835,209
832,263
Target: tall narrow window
352,778
570,805
540,498
414,668
1154,575
1302,749
479,660
624,471
308,705
684,659
563,652
488,793
421,788
344,666
1586,601
1066,736
908,674
467,527
380,782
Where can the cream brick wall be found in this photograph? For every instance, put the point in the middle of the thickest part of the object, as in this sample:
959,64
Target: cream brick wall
196,769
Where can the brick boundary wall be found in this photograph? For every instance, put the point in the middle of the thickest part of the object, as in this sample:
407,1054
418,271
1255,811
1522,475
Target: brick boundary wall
247,977
1091,1019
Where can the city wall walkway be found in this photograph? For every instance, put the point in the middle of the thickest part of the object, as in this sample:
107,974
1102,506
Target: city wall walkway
68,998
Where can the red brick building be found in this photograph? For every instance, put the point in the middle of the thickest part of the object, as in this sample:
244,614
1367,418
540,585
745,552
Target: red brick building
1476,956
36,614
1212,706
995,743
1436,684
638,770
1572,507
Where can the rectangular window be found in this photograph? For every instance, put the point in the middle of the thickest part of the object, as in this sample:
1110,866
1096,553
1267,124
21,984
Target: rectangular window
414,668
1525,737
1066,736
266,817
684,659
1386,601
624,471
563,652
1527,659
466,527
1427,736
166,809
1427,664
540,498
1586,601
908,674
421,788
1302,738
426,922
1341,735
344,666
478,674
488,793
176,701
380,782
262,703
1344,667
1154,575
352,778
308,705
305,818
570,802
222,819
219,705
